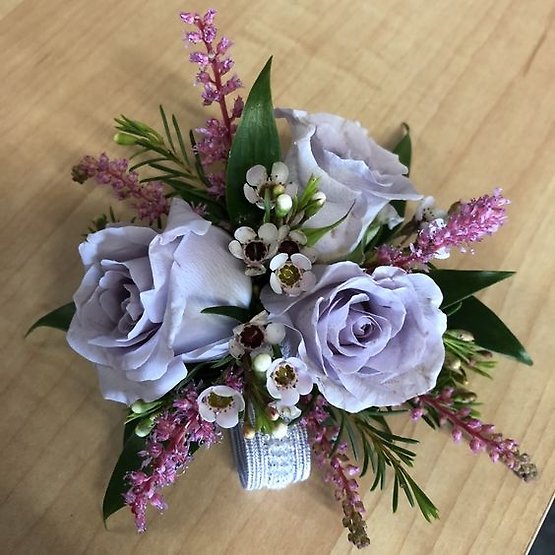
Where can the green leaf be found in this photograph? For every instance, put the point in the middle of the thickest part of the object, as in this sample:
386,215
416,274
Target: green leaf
166,127
314,234
128,460
457,285
404,151
488,330
256,141
358,255
236,312
59,319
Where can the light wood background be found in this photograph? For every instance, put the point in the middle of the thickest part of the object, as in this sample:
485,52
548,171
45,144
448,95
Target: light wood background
475,79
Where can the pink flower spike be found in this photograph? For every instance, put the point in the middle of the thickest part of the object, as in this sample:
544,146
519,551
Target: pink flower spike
217,134
466,223
481,436
149,198
167,453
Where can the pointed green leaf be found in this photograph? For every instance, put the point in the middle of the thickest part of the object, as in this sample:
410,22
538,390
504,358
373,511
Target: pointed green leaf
457,285
236,312
404,151
128,460
59,319
256,141
488,330
314,234
358,255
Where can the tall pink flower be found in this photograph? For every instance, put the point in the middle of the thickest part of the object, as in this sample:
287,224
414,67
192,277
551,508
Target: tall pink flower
467,222
149,199
214,65
169,448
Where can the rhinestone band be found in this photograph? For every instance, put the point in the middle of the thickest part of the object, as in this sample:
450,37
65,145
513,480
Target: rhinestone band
267,462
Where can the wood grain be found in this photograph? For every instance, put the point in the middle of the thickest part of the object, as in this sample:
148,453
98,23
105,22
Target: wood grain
475,79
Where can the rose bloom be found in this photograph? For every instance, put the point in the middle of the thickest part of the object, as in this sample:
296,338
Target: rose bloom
355,174
138,309
368,340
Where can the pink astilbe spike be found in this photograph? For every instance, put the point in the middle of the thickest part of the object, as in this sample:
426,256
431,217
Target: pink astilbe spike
467,222
168,451
148,198
481,437
337,469
214,67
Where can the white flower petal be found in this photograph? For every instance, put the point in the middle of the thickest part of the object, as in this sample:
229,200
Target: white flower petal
278,260
268,233
301,261
292,189
308,281
257,176
250,194
275,333
275,284
228,419
298,236
245,234
236,249
279,173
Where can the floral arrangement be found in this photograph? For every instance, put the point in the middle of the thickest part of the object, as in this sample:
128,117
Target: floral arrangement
266,293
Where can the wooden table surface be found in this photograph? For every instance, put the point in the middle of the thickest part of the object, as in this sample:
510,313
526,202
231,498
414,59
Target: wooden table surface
475,80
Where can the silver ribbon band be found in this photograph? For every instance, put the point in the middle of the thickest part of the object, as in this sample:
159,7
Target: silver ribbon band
267,462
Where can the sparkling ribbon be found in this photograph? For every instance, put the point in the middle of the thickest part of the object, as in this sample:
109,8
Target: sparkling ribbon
268,462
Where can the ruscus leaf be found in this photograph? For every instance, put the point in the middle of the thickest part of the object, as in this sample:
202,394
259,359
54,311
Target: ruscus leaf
59,319
457,285
236,312
128,460
403,149
488,330
256,141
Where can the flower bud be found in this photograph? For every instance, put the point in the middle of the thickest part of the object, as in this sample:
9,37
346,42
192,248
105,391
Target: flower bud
284,203
462,335
144,427
272,413
124,139
280,430
452,362
278,190
248,431
140,407
318,198
261,362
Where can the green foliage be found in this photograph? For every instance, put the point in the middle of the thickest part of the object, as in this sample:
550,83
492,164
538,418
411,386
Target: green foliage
403,149
128,460
102,221
256,141
314,234
372,440
59,319
359,254
488,330
457,285
236,312
166,155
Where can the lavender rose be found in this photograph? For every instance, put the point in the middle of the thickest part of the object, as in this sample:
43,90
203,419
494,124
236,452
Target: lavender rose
139,305
353,170
368,340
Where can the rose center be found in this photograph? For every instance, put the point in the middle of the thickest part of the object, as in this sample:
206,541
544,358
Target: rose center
285,376
289,275
251,337
256,251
